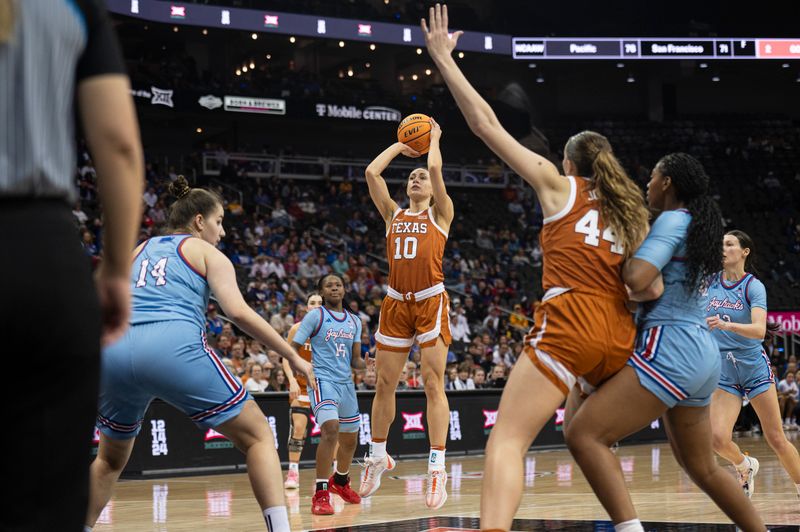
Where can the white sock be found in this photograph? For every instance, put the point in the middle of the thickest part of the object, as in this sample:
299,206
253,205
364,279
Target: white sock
87,528
377,450
634,525
294,466
342,474
277,519
436,459
744,464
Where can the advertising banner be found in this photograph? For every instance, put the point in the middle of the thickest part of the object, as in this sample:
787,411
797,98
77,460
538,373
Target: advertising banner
789,321
170,443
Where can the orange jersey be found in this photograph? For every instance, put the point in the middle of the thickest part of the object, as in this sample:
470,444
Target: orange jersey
414,247
305,354
579,250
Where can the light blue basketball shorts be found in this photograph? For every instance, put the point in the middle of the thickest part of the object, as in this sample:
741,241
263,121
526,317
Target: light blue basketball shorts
169,360
335,400
678,363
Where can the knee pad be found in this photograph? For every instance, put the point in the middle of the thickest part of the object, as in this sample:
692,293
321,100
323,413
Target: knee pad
295,445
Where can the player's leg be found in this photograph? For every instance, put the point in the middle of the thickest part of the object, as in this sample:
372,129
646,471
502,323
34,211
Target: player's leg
251,434
434,360
725,408
389,365
596,426
298,421
689,432
112,456
520,417
766,407
349,422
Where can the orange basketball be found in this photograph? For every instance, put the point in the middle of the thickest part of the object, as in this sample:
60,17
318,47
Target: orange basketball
415,131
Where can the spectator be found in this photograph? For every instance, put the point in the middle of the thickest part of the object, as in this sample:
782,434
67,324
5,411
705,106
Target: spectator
451,377
402,383
79,215
479,378
150,197
497,379
213,322
238,358
369,380
256,381
278,382
282,321
463,380
413,379
787,399
459,327
518,319
223,348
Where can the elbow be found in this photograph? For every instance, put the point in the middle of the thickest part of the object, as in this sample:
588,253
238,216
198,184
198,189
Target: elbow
482,127
370,174
237,314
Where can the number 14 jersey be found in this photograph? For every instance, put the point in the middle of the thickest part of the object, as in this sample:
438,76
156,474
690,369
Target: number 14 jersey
164,286
580,252
414,247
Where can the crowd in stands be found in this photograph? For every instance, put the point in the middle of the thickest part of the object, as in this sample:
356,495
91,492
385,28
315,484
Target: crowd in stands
283,235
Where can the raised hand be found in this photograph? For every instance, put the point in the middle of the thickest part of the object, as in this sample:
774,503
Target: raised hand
438,42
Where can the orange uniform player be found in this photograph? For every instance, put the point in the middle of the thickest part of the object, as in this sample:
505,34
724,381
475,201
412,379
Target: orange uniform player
582,330
417,306
299,403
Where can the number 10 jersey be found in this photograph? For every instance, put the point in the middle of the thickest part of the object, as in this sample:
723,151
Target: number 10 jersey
414,247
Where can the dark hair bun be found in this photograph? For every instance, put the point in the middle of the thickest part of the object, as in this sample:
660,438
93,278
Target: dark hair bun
179,188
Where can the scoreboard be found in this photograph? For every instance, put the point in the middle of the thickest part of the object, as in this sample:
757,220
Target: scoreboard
650,48
323,27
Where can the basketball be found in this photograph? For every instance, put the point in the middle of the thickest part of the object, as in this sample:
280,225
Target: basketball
415,131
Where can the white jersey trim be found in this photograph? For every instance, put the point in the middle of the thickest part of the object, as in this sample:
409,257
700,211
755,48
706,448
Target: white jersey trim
573,193
389,225
433,221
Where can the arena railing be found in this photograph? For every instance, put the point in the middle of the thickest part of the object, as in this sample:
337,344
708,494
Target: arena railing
338,169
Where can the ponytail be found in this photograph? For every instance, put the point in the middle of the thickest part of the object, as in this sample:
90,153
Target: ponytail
621,203
704,238
8,17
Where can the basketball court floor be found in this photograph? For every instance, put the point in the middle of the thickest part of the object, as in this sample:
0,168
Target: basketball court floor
556,498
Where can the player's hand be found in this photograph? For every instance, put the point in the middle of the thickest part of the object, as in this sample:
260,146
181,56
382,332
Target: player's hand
370,362
436,130
114,293
440,45
294,390
714,322
407,150
302,366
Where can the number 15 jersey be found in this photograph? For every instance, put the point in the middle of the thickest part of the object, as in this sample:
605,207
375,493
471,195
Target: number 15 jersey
580,252
414,247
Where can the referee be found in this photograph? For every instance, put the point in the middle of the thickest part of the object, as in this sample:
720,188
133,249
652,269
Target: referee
55,54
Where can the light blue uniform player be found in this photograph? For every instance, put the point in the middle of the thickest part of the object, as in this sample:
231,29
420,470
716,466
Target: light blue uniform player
746,369
164,353
332,335
675,356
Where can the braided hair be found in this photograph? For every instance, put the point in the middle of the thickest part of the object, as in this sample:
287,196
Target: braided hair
704,239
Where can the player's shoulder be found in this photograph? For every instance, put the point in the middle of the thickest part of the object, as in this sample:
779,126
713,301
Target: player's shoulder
671,220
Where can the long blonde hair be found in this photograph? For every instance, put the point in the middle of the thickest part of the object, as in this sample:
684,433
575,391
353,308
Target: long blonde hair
621,202
8,15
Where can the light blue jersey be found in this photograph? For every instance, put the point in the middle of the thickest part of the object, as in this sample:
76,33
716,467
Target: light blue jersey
164,353
675,357
665,248
733,302
332,336
746,370
164,286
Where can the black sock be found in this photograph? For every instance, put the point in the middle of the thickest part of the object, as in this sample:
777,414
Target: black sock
341,480
322,485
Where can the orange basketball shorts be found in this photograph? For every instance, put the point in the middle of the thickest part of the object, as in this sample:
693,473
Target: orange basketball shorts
581,339
401,323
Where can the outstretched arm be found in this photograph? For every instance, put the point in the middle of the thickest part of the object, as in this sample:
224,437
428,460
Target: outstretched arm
443,205
540,173
377,186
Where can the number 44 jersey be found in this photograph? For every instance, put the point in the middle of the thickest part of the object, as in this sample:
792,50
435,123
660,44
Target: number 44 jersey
580,251
414,247
164,286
